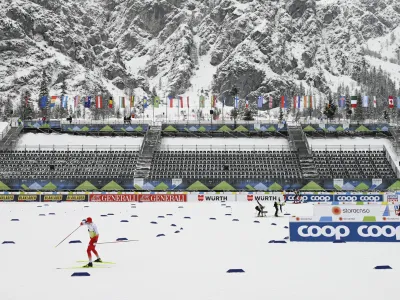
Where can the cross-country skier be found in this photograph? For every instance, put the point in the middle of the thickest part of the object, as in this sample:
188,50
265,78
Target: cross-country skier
276,206
94,236
260,209
280,205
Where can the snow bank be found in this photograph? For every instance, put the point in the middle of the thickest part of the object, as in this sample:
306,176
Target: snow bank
32,139
3,126
221,143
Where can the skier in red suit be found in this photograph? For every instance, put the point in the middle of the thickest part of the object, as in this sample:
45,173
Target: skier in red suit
94,236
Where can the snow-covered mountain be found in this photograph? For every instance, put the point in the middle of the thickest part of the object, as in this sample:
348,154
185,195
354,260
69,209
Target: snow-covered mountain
183,46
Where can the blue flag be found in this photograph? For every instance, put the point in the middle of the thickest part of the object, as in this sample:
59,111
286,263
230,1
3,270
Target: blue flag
398,102
342,101
43,102
260,101
236,102
145,104
64,101
365,101
87,102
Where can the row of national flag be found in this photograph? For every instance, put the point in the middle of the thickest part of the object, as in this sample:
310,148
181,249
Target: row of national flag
365,101
98,101
126,102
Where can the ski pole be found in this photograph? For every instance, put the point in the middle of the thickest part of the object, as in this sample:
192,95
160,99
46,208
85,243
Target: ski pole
115,242
67,236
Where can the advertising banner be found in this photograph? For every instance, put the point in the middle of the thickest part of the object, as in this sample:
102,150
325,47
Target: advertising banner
27,198
137,197
75,198
337,197
311,197
359,197
392,198
345,231
161,197
211,197
47,198
8,198
112,198
262,197
353,210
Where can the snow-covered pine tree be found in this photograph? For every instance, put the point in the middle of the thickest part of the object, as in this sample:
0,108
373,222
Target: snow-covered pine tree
8,108
349,112
280,116
78,111
330,108
118,112
64,92
358,111
94,111
25,107
44,91
70,111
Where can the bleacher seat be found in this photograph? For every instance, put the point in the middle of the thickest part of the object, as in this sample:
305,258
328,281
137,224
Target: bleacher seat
67,164
225,164
353,164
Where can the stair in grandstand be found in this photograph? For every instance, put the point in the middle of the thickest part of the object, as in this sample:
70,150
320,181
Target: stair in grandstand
10,140
151,143
395,131
298,143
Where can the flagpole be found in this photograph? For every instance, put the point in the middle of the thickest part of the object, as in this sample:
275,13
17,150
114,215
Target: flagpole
153,109
166,110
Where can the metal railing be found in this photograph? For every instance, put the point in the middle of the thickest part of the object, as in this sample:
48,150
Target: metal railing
103,122
224,148
392,162
347,147
77,147
4,132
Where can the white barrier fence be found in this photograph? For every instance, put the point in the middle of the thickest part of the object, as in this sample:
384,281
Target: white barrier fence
198,197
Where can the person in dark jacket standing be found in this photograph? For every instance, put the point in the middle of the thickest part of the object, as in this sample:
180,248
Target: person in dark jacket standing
276,206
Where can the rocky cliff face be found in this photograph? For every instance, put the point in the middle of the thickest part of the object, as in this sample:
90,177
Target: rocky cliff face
258,46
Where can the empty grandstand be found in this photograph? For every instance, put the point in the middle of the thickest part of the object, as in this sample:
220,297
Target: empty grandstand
150,163
225,164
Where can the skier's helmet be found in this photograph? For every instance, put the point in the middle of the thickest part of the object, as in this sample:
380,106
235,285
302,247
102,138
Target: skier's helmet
89,220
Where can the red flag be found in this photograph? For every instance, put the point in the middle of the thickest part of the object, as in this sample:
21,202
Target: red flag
247,103
270,101
171,101
181,101
295,102
99,102
391,102
187,99
282,101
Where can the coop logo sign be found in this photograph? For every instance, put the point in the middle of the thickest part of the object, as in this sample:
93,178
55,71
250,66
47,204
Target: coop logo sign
335,197
327,231
310,198
345,231
363,198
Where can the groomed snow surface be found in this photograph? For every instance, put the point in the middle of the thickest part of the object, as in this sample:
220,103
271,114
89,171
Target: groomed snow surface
191,264
30,140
